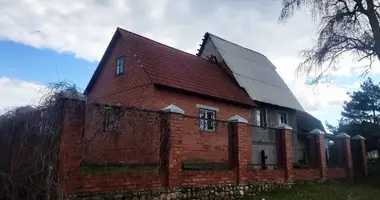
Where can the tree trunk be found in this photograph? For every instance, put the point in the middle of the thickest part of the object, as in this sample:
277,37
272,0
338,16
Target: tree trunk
374,23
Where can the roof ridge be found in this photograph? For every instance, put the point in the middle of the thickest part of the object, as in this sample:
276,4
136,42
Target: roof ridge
238,45
151,40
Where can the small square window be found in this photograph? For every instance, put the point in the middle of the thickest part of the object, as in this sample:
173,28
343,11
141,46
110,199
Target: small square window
109,120
120,65
261,117
282,118
207,120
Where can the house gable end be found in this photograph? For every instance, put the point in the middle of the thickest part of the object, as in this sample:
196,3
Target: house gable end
253,71
106,82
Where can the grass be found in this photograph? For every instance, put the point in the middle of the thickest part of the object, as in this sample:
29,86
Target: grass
366,189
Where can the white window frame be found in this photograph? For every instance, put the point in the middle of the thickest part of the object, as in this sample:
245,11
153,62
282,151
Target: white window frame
204,121
279,119
263,117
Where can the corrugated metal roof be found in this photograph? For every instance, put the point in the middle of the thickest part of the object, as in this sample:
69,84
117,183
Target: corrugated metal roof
256,74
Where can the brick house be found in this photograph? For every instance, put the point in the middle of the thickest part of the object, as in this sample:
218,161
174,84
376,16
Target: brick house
136,71
223,80
178,107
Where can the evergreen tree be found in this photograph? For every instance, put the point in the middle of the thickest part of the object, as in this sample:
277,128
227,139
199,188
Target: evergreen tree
361,114
364,105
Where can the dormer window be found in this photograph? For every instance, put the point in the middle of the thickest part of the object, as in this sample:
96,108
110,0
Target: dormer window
120,66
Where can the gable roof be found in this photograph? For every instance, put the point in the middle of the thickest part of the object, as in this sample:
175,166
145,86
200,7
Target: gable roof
307,122
255,73
167,66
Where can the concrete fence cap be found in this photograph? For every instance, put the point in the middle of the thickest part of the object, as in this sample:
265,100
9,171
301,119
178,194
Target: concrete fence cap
173,109
237,118
358,137
317,132
284,127
343,135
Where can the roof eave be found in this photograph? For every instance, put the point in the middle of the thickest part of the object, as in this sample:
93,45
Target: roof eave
253,105
101,63
202,46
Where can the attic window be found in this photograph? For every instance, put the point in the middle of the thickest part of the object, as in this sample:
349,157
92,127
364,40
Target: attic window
213,59
120,66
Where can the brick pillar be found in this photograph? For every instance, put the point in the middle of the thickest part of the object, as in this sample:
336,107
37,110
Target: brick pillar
361,139
346,147
287,149
174,170
70,145
321,155
240,131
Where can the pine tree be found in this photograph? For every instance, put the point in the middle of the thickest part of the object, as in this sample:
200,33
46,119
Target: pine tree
364,105
361,114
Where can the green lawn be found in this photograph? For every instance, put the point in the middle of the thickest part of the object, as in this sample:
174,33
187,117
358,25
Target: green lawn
367,189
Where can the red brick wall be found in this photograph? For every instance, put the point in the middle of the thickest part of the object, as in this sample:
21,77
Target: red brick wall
208,177
306,174
108,85
321,155
348,157
113,182
175,150
139,96
70,148
266,175
187,102
287,148
335,173
173,175
135,141
212,146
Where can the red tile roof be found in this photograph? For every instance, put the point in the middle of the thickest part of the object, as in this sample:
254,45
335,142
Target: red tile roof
174,68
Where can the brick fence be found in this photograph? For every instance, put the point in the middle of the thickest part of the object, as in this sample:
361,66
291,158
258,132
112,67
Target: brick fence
171,172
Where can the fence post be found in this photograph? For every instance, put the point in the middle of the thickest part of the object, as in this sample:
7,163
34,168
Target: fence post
361,139
287,149
174,170
321,162
240,131
70,145
346,145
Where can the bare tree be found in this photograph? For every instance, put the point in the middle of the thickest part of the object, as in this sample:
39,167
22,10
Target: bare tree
346,27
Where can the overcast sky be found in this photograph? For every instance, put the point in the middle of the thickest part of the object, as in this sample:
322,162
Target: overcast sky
64,40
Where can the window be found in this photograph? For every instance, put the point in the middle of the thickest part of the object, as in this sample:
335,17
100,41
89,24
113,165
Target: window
261,117
207,120
282,118
120,65
109,120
